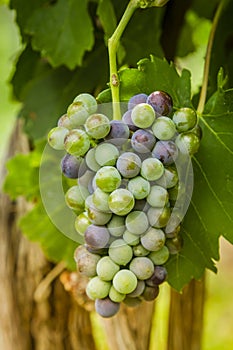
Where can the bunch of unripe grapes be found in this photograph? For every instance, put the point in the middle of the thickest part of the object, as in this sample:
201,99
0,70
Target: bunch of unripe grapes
126,188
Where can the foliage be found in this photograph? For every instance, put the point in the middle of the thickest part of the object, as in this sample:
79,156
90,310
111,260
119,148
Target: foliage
68,55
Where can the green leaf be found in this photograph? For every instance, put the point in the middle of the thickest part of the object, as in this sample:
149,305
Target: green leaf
62,32
107,17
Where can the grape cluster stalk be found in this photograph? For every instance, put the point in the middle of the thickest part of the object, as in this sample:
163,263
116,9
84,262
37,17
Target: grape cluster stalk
126,185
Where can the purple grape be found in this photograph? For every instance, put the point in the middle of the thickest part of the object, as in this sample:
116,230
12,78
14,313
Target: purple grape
143,141
136,99
161,102
96,236
119,132
99,251
127,119
165,151
106,307
150,293
158,277
72,167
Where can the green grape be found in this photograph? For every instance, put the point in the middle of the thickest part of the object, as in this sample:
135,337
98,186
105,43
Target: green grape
121,201
153,239
136,222
152,169
120,252
97,126
88,101
139,250
97,288
56,137
139,187
77,142
164,128
108,178
130,239
143,115
106,268
100,200
160,256
77,114
169,178
158,196
75,198
65,122
95,215
106,154
142,267
124,281
81,223
185,119
114,295
128,164
188,143
91,161
116,226
158,217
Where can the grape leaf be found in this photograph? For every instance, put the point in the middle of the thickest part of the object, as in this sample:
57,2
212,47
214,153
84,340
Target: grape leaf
70,31
107,17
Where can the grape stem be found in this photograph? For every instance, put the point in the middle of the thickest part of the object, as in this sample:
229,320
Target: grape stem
203,93
113,43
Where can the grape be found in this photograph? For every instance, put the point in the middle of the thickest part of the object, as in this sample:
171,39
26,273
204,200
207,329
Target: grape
97,216
139,250
97,288
159,276
130,239
99,251
154,239
136,222
106,154
142,141
121,201
160,256
150,293
106,268
174,232
97,126
87,177
119,132
169,178
158,196
88,101
138,290
139,187
96,236
87,263
70,166
158,217
132,302
143,115
188,143
56,137
77,142
164,128
100,200
141,205
124,281
91,161
106,307
77,114
120,252
114,295
126,118
185,119
152,169
116,226
65,122
165,151
142,267
136,99
81,223
174,244
75,198
161,102
108,178
129,164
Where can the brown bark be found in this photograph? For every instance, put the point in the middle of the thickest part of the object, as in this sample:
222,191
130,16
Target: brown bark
186,317
52,320
130,328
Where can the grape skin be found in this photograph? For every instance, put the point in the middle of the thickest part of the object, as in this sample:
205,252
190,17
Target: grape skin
106,154
106,307
88,101
153,239
142,141
165,151
97,126
96,236
160,256
87,263
143,115
56,137
129,164
161,102
121,201
139,187
77,142
136,222
70,166
159,276
116,226
127,119
119,132
136,99
106,268
142,267
125,281
97,288
120,252
108,178
115,296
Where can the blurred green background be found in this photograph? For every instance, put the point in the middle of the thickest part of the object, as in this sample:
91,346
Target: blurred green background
218,322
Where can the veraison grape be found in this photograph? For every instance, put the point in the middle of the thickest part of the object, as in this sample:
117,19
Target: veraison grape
122,183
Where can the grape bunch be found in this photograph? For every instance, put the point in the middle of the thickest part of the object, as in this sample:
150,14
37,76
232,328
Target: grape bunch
126,185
